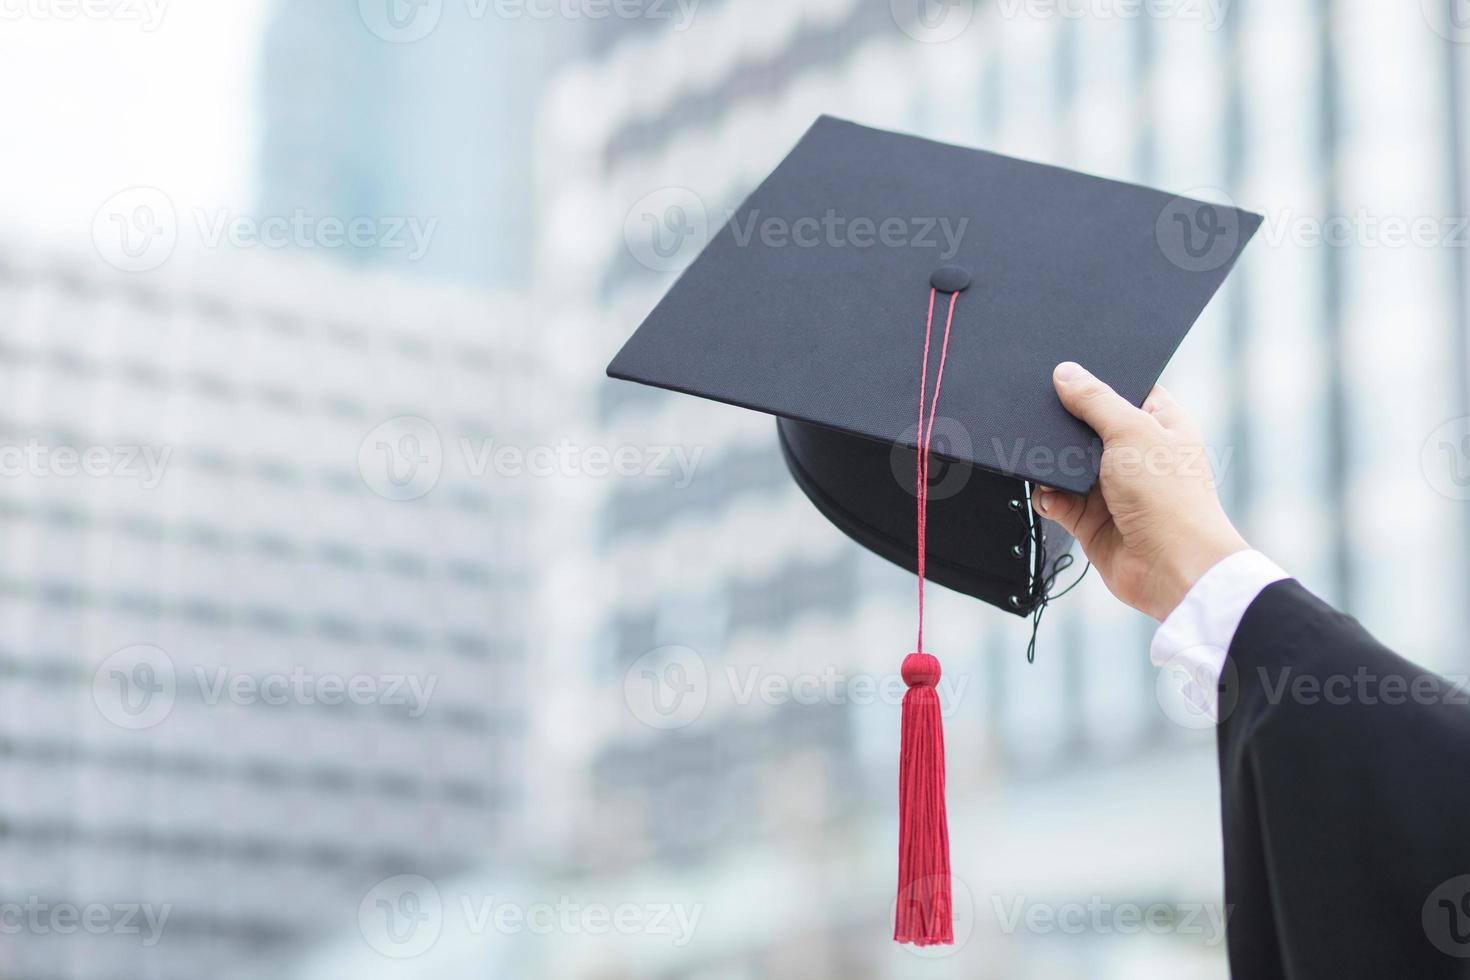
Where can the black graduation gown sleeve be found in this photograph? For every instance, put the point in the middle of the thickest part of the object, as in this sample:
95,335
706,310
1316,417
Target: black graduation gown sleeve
1345,796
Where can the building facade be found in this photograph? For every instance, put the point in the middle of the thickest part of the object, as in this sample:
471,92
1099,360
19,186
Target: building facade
263,624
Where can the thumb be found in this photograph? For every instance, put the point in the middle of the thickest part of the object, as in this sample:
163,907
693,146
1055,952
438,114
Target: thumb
1058,505
1092,401
1080,515
1085,517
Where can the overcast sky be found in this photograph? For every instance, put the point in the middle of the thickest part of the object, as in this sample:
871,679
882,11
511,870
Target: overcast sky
158,93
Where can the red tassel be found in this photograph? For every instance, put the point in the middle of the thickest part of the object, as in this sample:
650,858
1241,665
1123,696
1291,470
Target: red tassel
924,915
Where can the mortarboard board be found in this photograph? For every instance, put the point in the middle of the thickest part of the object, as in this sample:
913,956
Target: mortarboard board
867,269
809,304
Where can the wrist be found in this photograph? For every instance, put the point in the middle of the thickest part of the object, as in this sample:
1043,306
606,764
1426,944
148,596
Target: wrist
1185,565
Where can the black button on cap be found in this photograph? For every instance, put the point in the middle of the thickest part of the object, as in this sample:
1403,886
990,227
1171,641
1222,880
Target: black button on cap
950,278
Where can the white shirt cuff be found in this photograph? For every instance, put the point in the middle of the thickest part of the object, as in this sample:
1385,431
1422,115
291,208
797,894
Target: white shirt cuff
1193,640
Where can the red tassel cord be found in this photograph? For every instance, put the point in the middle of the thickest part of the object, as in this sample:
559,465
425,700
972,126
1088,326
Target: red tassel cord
924,914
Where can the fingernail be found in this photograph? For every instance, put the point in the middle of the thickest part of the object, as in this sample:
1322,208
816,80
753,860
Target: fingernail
1043,502
1067,370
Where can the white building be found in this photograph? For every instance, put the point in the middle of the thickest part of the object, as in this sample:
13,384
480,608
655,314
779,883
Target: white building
246,673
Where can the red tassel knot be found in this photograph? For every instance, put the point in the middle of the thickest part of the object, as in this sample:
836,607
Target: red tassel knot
921,670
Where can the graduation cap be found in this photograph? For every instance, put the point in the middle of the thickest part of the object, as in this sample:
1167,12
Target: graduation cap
899,304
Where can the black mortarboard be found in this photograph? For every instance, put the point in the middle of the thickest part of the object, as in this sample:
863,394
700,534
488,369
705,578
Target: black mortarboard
810,304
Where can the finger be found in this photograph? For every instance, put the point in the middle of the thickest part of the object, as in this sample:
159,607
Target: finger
1092,401
1162,406
1174,417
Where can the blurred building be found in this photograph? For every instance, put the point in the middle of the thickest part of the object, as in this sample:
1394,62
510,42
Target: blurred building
408,110
255,535
1077,778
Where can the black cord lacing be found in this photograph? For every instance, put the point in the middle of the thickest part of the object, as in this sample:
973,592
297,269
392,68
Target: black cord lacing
1041,578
